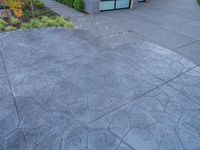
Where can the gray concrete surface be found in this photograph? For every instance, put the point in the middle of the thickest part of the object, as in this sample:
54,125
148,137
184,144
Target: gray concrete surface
174,24
125,80
66,90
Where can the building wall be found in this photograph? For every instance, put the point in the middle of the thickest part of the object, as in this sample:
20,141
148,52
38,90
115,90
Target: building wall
92,6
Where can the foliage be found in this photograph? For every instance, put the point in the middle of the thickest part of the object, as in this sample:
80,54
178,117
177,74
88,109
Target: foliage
2,22
14,5
10,28
2,27
71,3
14,20
17,6
43,12
51,23
60,21
43,17
198,1
78,5
46,21
26,26
68,25
36,23
67,2
38,4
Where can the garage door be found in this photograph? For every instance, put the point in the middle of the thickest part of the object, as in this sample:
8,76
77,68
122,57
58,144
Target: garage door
114,4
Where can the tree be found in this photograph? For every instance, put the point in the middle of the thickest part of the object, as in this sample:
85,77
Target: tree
15,6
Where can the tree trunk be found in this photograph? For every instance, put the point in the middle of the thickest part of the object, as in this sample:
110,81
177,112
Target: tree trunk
32,9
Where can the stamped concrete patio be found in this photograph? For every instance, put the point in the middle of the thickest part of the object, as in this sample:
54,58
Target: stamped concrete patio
64,90
102,89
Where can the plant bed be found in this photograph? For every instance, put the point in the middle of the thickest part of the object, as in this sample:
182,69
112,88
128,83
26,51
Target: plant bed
37,16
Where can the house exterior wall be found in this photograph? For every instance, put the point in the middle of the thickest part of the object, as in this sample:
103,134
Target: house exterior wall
92,6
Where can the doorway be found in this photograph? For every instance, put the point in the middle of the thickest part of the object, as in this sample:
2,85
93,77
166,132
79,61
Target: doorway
114,4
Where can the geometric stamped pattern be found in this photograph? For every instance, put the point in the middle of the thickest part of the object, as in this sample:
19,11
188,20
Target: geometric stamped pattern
63,90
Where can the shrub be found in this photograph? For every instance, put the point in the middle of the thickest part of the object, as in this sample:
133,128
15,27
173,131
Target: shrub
67,2
38,13
44,19
2,27
10,28
47,21
38,4
2,22
68,25
60,21
26,26
78,5
56,22
198,1
14,20
36,23
51,23
28,14
71,3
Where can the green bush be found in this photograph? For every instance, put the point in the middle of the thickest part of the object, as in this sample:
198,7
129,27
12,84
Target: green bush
67,2
2,27
78,5
27,3
26,26
10,28
56,22
43,12
68,25
38,4
14,20
28,14
198,1
2,22
51,23
46,21
71,3
36,23
60,21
